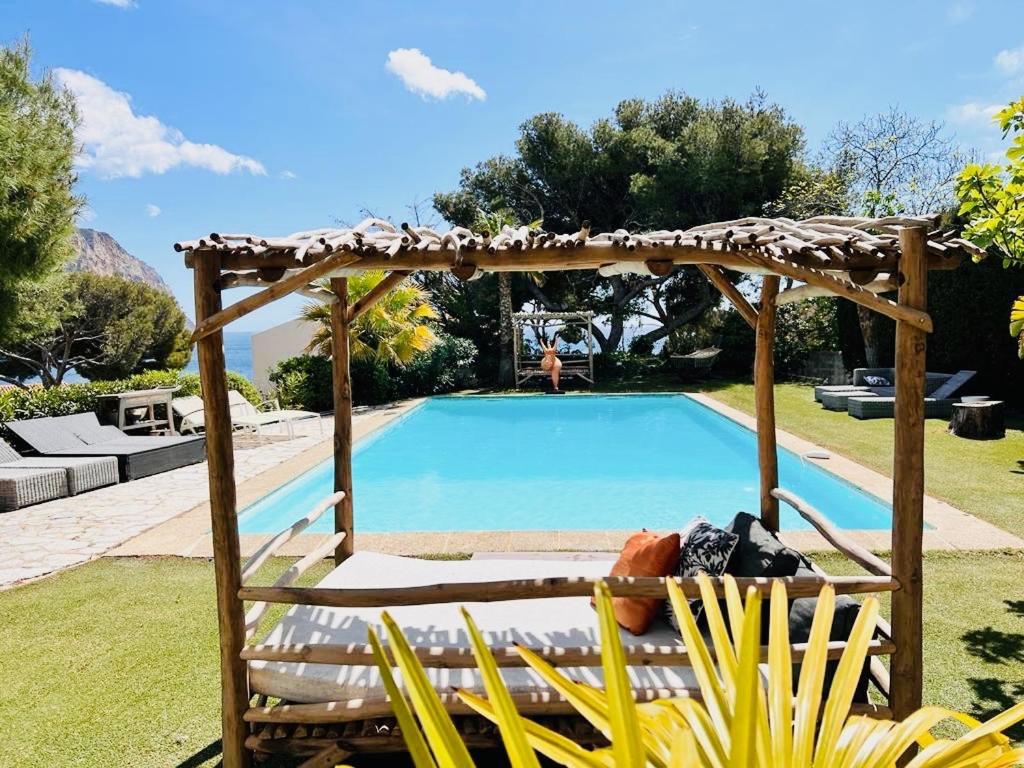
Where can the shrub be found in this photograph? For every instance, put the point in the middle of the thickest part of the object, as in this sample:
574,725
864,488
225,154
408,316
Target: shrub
305,381
35,402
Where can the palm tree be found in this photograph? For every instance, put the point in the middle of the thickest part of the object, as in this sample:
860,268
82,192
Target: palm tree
394,330
492,222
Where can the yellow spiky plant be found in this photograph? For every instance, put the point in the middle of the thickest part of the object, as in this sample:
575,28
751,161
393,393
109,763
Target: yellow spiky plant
739,723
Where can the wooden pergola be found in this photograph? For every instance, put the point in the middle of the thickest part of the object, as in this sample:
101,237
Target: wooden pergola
854,258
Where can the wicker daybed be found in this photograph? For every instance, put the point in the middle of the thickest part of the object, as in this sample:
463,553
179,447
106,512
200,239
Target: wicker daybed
854,258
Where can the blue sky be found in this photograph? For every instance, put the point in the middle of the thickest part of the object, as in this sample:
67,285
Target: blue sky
272,117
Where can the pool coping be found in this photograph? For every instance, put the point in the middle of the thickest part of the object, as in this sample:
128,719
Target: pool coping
187,535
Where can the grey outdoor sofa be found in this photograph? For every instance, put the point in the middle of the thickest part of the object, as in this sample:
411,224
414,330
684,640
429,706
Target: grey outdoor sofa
22,486
83,472
82,435
938,401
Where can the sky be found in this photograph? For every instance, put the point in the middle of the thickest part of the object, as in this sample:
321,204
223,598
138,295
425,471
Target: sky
273,117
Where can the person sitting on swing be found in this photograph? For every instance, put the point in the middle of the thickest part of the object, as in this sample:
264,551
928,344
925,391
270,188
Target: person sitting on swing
550,362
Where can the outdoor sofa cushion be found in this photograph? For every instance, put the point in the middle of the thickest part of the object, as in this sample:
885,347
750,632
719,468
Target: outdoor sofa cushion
645,554
703,548
758,551
556,622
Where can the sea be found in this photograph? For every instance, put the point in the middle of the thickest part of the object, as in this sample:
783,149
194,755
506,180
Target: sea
237,355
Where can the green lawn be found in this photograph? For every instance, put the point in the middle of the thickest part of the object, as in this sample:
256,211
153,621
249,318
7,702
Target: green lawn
982,477
115,663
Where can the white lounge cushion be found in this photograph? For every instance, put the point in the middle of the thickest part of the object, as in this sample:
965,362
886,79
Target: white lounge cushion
560,622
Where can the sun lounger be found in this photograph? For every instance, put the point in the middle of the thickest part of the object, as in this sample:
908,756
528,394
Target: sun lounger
81,434
244,415
555,622
83,473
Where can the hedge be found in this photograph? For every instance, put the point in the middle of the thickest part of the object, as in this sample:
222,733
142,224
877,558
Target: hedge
305,381
81,397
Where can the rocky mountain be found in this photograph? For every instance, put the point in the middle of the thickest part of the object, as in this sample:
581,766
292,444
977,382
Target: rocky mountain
101,254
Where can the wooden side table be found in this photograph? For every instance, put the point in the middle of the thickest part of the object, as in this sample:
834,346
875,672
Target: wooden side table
148,399
978,421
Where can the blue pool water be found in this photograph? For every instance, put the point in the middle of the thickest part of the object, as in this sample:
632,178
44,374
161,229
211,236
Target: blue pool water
547,463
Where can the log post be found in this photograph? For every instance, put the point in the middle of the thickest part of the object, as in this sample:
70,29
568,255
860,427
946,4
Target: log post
342,388
908,479
224,524
764,394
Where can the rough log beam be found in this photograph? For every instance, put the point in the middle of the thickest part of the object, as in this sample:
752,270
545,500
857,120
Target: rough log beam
731,292
855,293
507,656
526,589
378,291
276,291
592,256
342,394
764,401
802,292
908,481
863,557
227,570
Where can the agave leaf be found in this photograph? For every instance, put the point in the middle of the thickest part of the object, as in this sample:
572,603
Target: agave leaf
700,660
859,731
684,750
549,743
905,734
510,724
592,708
844,683
780,679
725,654
743,729
734,607
989,734
411,733
438,727
812,678
1008,758
627,742
708,739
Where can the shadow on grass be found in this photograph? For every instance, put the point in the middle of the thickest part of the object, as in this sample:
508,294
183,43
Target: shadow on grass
993,695
204,755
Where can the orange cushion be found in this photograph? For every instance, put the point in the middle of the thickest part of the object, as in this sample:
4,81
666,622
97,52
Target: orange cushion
645,554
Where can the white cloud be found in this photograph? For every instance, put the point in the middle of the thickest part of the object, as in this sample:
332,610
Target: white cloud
420,76
118,142
973,113
1011,61
152,210
117,3
288,175
959,12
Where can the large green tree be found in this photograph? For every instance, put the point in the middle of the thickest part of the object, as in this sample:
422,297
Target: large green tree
669,163
37,200
103,327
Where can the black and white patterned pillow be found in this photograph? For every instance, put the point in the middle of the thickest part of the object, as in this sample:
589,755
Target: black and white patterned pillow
703,548
877,381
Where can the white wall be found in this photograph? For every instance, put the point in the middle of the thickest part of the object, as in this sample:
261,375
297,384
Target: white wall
275,344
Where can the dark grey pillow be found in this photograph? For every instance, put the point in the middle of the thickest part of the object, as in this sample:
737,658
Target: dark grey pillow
703,548
758,551
801,614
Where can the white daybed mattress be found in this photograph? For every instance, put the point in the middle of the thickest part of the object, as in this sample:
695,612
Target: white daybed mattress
565,622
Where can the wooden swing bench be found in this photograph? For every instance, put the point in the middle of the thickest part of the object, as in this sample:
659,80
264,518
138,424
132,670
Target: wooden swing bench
307,686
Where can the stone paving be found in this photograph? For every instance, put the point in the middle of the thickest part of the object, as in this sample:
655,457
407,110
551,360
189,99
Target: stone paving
48,537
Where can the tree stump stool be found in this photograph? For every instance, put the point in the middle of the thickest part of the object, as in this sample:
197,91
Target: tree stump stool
978,421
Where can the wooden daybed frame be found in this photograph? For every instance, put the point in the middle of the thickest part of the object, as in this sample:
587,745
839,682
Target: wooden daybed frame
573,365
848,257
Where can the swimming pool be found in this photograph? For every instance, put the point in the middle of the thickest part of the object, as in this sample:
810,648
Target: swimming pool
586,462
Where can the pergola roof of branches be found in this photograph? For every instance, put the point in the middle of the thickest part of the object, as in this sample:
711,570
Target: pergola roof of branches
850,256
